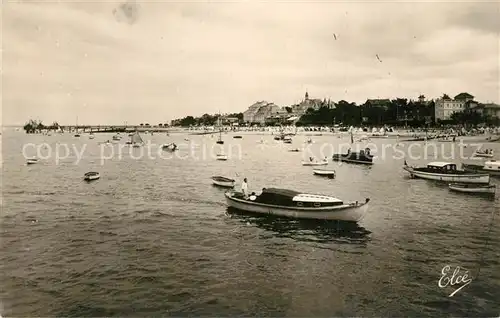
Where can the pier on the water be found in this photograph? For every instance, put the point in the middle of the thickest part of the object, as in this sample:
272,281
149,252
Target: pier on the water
113,129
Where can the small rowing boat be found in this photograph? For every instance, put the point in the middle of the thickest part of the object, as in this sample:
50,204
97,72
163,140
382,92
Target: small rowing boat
324,172
90,176
31,161
473,188
315,163
223,182
221,157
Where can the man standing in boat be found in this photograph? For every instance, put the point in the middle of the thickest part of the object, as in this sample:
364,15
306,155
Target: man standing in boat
244,188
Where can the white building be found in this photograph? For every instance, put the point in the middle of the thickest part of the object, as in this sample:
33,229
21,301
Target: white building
445,107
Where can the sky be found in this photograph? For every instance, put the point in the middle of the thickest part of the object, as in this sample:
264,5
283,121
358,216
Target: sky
111,62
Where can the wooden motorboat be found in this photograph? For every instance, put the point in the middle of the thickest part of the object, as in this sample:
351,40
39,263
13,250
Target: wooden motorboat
169,147
473,188
294,204
361,157
223,182
315,163
90,176
448,172
31,161
491,167
324,172
221,157
488,153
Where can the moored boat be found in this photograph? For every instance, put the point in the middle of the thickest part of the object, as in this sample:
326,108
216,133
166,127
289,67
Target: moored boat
313,162
491,167
31,161
294,150
446,171
472,188
294,204
221,157
324,172
287,140
90,176
169,147
237,137
487,153
361,157
223,181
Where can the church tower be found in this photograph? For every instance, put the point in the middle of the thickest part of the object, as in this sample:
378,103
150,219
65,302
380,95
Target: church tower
307,96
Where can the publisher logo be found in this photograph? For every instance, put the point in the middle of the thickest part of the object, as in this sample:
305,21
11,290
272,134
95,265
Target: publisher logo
458,279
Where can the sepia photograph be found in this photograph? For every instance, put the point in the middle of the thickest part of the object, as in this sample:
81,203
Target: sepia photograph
250,158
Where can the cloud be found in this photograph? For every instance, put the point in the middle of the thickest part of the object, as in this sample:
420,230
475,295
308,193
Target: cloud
172,59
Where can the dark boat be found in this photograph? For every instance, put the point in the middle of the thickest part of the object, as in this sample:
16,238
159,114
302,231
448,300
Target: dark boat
237,137
361,157
89,176
294,204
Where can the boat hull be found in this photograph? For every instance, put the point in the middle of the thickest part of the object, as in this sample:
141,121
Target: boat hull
478,190
323,163
483,155
458,178
324,172
347,212
224,184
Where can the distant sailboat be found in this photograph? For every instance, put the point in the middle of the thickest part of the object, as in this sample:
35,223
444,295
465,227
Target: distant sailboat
136,140
77,134
220,141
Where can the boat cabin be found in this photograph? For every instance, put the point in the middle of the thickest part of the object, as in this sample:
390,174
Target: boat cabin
291,198
440,167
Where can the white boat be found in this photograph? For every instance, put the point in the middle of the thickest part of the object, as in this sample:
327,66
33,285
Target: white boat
89,176
117,137
484,153
294,204
223,182
221,157
31,161
324,172
287,140
446,171
315,163
136,140
491,167
91,136
472,188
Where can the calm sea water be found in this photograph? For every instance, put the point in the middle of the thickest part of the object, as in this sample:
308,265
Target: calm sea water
154,237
